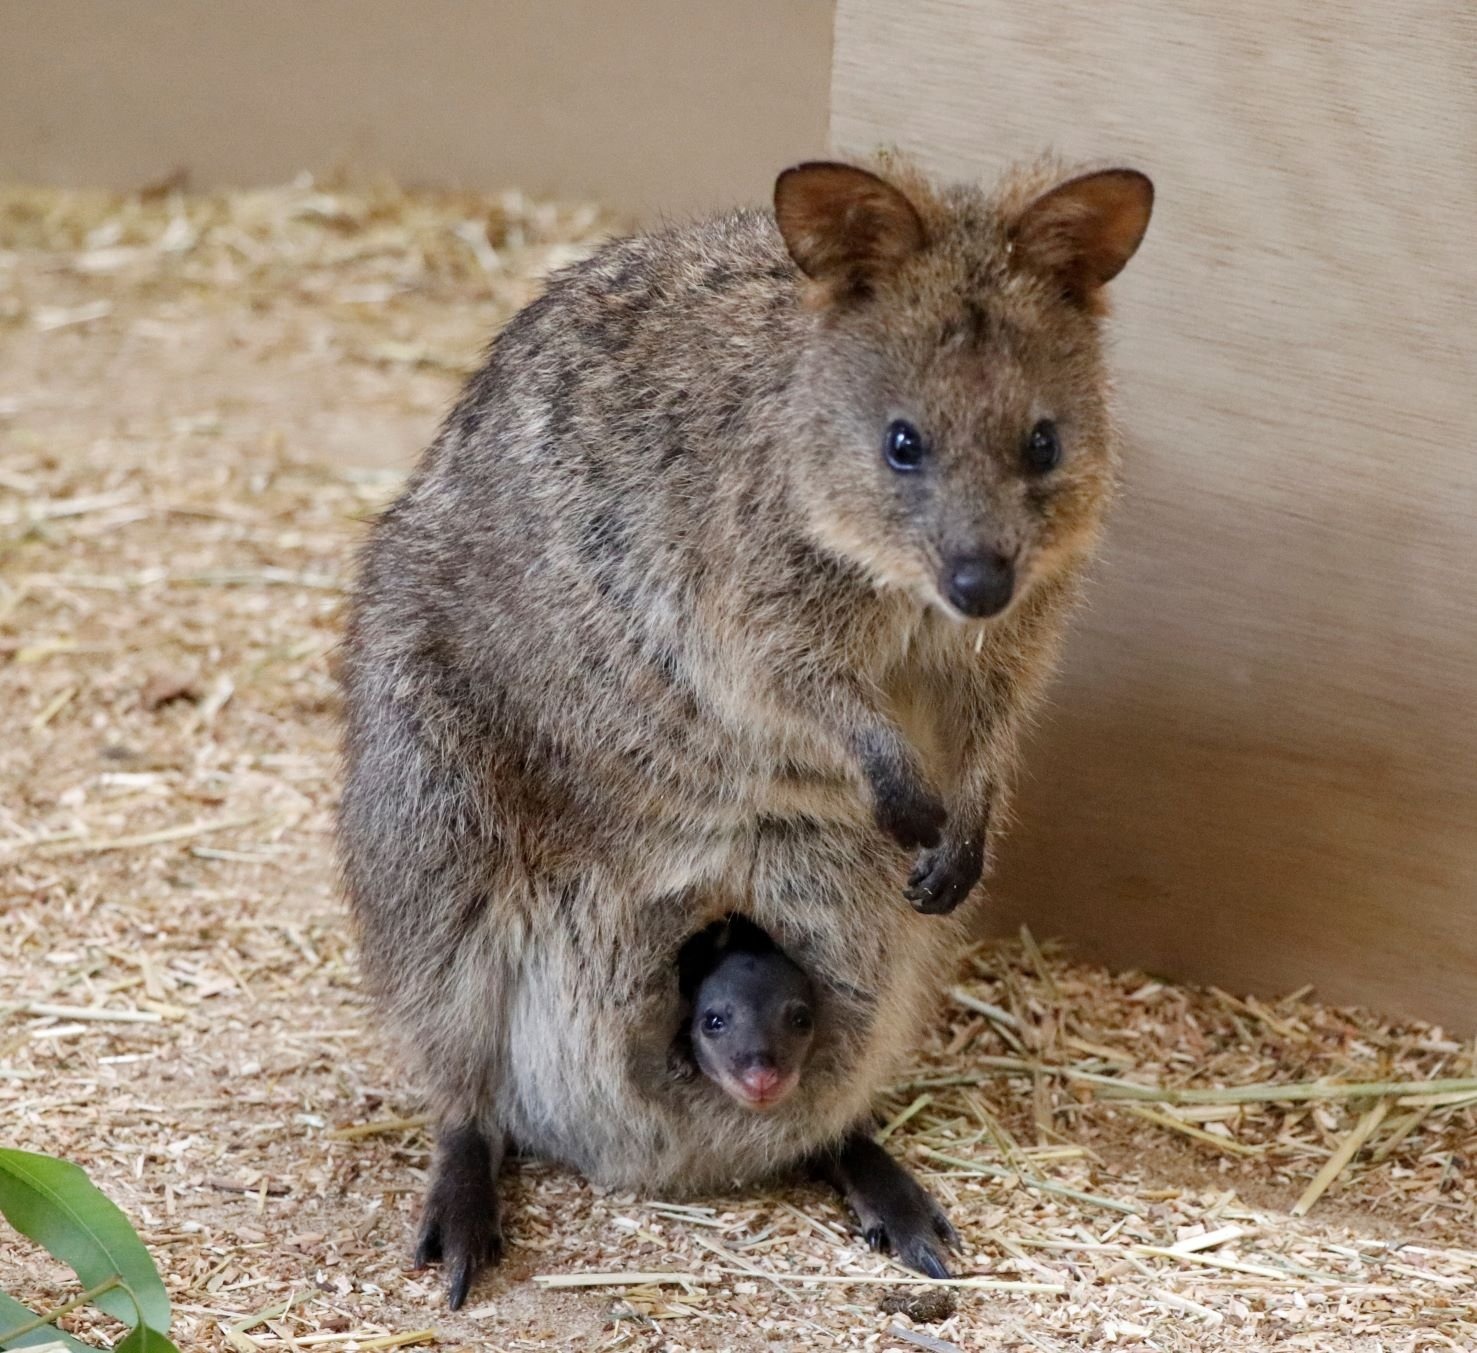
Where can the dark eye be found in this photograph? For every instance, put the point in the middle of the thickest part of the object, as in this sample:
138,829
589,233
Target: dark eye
903,446
800,1019
1043,448
713,1022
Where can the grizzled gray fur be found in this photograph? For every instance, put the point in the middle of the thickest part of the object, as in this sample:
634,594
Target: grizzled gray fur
725,588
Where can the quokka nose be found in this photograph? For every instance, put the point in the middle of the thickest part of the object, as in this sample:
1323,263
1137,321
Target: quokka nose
761,1081
980,584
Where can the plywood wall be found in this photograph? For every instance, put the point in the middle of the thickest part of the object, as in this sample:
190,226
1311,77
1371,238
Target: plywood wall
646,105
1261,766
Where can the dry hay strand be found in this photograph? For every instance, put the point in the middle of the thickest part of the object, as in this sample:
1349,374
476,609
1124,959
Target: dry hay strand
202,398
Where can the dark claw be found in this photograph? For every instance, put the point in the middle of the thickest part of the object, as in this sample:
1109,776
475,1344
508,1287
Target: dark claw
471,1244
926,1262
918,1251
460,1284
428,1251
942,878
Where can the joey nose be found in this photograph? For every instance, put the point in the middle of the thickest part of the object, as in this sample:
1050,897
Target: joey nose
979,584
761,1081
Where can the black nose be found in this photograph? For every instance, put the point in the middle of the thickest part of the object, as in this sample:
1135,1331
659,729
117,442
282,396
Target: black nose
980,584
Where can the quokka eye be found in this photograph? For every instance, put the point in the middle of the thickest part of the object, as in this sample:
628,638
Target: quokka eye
1043,449
903,446
801,1020
713,1023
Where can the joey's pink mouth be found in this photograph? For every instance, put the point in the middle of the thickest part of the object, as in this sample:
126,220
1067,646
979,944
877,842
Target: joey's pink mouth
762,1096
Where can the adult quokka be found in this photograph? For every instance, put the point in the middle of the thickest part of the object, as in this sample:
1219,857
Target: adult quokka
724,588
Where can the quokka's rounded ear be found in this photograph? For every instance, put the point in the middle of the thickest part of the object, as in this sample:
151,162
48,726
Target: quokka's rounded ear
1083,231
844,226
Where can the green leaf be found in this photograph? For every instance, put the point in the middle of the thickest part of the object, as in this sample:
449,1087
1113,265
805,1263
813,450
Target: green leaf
142,1339
55,1204
13,1315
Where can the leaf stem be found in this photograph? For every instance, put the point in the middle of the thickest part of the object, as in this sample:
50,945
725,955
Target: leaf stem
51,1317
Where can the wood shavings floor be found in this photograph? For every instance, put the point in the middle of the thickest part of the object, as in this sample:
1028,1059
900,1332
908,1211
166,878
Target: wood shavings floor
201,399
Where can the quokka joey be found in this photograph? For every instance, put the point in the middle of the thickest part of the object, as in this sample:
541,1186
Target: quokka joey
752,1019
726,587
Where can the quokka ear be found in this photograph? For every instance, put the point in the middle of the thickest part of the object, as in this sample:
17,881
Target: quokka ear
844,226
1083,231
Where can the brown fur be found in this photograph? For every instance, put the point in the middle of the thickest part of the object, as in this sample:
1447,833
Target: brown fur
654,635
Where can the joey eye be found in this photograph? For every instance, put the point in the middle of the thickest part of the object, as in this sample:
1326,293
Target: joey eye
1043,449
903,446
801,1019
714,1023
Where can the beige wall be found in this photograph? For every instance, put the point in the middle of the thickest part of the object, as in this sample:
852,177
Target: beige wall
1261,768
644,104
